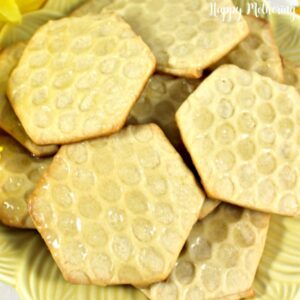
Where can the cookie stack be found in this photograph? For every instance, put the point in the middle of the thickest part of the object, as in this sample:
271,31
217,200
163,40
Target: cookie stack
148,142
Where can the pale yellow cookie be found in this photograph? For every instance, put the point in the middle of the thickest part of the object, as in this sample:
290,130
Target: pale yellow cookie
183,36
258,52
90,7
208,207
243,295
19,175
291,74
78,78
242,131
238,296
219,259
117,210
9,122
159,101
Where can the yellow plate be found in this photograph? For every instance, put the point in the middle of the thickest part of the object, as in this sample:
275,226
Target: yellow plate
26,264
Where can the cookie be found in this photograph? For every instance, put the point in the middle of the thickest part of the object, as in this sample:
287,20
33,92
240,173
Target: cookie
159,101
19,175
117,209
8,119
78,78
183,36
242,131
220,257
208,207
243,295
258,52
291,74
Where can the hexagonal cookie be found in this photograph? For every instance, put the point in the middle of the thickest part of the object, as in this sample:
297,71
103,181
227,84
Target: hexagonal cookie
160,99
19,175
291,74
78,78
183,36
9,122
258,52
242,131
158,103
220,257
117,210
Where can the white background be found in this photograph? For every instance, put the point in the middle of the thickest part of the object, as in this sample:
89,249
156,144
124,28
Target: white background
7,292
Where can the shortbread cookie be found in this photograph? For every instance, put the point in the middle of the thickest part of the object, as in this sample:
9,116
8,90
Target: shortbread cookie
220,257
243,295
291,74
242,131
78,78
19,175
183,36
159,101
258,52
208,207
8,119
173,295
117,210
90,7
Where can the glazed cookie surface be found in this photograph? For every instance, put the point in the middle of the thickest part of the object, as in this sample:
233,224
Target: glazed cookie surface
183,36
220,257
20,173
242,131
258,52
78,78
117,210
9,122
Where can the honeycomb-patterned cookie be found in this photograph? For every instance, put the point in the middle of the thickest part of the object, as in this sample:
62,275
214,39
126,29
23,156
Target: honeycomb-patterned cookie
159,101
19,175
183,36
9,122
219,259
291,74
78,78
258,52
90,7
243,295
117,210
208,207
243,133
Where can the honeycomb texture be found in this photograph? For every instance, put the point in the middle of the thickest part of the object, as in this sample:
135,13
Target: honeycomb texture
243,295
183,37
258,52
19,175
242,131
8,119
219,259
208,207
159,101
291,74
117,210
78,78
90,7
